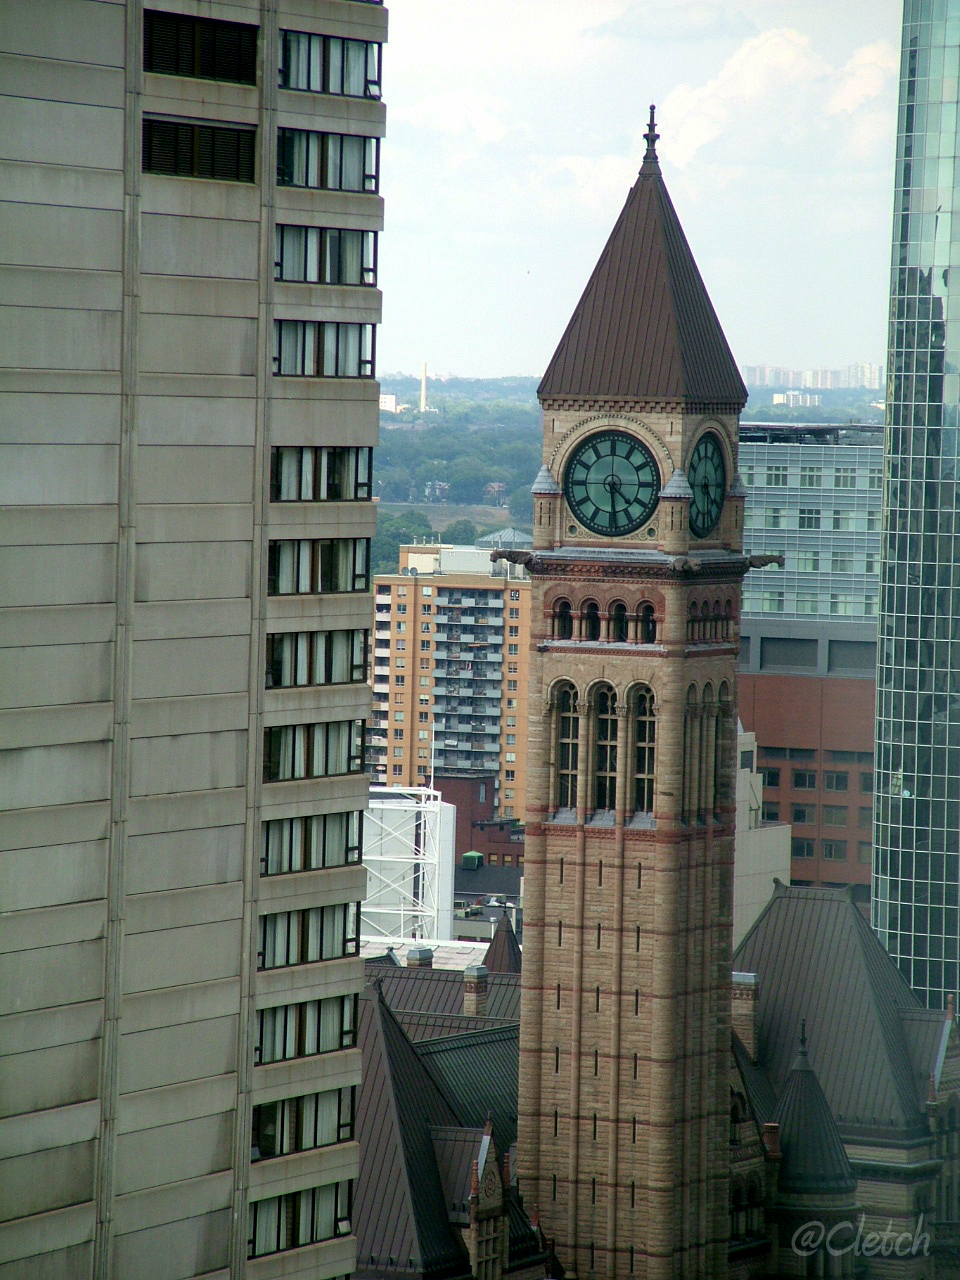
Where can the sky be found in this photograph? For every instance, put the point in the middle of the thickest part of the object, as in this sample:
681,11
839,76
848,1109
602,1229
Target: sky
515,130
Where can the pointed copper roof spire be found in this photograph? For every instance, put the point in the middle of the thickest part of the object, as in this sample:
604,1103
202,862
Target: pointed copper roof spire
645,328
650,161
814,1157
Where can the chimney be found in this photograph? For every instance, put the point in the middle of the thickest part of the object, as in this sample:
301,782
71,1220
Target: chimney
745,1003
475,990
419,958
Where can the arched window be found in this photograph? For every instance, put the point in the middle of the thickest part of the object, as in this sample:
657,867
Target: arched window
568,734
605,751
563,620
644,735
648,625
618,623
738,1214
715,621
727,617
590,621
754,1210
693,623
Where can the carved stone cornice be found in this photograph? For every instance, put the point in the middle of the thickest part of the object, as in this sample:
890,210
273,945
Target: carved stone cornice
570,563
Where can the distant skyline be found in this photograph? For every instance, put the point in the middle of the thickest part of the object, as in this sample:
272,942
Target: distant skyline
512,143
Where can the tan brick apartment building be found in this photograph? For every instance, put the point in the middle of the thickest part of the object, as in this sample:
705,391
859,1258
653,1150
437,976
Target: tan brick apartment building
450,670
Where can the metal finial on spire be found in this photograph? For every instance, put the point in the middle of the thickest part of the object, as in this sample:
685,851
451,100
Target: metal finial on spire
651,137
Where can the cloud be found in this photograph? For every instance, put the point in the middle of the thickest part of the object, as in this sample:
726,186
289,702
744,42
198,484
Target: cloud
864,78
457,112
759,70
677,20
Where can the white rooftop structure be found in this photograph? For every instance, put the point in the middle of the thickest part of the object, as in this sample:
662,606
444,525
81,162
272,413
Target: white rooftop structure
408,851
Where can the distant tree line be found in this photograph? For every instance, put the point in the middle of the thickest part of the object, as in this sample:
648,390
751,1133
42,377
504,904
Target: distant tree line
462,464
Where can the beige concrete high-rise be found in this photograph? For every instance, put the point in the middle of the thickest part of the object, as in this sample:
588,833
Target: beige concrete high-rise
189,213
636,572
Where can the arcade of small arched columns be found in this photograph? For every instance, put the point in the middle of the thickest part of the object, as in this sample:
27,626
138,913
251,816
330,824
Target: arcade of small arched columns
598,618
603,749
602,614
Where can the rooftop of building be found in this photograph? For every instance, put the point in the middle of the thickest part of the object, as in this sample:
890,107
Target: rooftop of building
872,1044
845,433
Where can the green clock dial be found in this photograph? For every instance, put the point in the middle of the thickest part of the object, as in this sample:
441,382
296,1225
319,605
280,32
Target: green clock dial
708,480
612,483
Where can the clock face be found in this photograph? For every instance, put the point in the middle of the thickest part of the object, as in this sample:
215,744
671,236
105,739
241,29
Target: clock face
708,480
612,483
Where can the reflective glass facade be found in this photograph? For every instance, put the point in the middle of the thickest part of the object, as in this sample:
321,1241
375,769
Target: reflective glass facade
917,811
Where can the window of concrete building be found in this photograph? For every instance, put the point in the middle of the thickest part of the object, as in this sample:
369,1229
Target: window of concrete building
318,566
809,518
834,815
835,850
845,478
782,652
327,161
865,817
866,783
323,349
808,561
771,602
202,48
776,476
310,843
325,255
313,750
844,521
803,814
807,602
811,477
183,149
800,848
302,1123
303,1029
299,1218
329,64
804,780
770,811
315,658
836,780
865,852
771,777
304,937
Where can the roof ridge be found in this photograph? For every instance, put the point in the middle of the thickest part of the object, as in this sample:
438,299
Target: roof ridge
379,1006
439,1044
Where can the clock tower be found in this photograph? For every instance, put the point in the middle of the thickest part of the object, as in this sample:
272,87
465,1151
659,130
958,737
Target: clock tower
636,577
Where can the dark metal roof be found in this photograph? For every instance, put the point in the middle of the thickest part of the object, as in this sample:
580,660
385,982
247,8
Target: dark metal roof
456,1150
400,1206
503,954
645,328
760,1092
813,1158
433,1026
479,1073
441,991
817,958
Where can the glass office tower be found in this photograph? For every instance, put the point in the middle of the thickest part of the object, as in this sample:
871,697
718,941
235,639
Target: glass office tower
917,801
